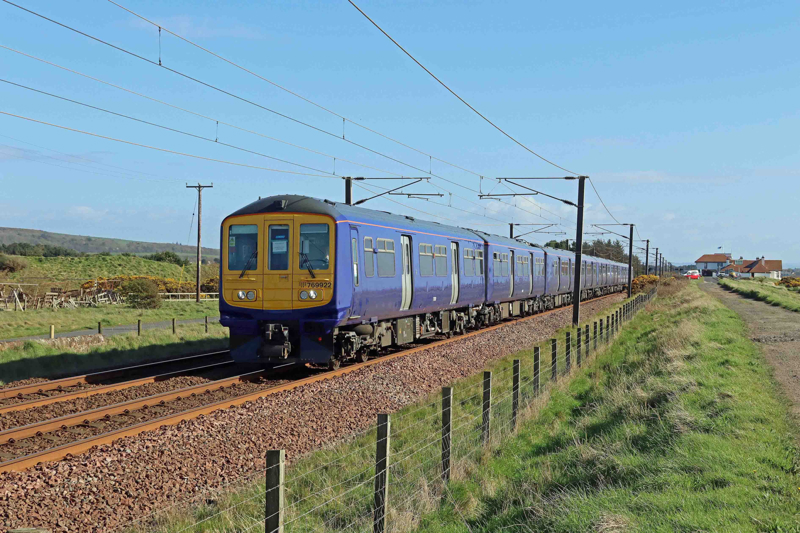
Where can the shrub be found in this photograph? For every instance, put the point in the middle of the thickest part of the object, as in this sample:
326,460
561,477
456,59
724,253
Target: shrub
168,257
12,264
141,293
790,282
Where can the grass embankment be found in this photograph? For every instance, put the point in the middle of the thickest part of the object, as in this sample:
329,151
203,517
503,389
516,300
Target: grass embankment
70,272
344,473
675,427
38,321
71,356
766,292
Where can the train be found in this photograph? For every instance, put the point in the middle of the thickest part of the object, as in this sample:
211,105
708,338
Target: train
311,281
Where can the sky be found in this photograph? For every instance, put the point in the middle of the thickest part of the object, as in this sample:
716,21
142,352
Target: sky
684,114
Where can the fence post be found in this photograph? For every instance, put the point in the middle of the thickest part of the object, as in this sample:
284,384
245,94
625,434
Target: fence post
578,346
99,328
381,473
447,417
487,407
52,331
553,359
174,327
586,341
608,327
536,365
206,321
139,327
568,353
515,394
273,517
601,332
595,332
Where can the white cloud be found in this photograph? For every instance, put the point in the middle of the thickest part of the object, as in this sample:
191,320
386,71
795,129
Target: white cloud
193,28
87,213
669,216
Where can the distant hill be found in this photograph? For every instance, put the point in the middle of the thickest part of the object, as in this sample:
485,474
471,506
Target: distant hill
94,245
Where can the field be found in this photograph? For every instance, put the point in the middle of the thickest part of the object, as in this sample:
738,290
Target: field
675,427
37,322
766,292
72,356
72,271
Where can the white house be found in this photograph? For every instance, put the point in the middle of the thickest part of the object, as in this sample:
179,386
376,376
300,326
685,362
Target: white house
715,262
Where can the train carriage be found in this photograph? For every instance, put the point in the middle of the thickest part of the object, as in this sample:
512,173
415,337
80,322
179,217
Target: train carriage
312,281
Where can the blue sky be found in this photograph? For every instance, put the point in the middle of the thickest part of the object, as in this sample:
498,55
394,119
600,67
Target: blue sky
685,114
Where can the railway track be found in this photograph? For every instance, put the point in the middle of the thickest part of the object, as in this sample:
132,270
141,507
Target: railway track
47,392
46,440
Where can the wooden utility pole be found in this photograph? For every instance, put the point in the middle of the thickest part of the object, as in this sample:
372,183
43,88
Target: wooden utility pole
199,229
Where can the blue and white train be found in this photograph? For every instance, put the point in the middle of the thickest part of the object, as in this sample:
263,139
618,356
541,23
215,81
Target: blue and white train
313,281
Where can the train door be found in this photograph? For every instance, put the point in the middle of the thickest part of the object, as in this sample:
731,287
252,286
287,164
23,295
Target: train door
278,282
406,279
530,275
512,272
357,306
455,277
558,269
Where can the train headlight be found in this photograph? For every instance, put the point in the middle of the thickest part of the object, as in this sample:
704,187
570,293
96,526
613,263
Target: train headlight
251,295
241,295
312,295
304,295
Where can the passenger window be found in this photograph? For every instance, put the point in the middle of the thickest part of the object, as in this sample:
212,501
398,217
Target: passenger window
425,260
479,262
242,246
354,250
369,257
505,265
497,266
441,260
386,261
314,247
278,247
469,262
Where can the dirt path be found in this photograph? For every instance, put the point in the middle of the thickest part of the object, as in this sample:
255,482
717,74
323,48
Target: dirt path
777,330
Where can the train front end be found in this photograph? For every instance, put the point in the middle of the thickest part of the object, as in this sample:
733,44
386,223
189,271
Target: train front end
277,281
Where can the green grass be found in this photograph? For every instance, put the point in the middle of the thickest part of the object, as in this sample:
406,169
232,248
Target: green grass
766,292
346,470
675,427
72,271
37,322
84,355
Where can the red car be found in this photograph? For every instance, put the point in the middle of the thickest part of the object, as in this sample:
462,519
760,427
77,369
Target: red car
693,274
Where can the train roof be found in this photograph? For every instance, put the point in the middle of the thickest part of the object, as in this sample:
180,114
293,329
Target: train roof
341,211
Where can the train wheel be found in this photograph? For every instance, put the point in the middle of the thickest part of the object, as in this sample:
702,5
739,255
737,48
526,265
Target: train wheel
362,356
334,364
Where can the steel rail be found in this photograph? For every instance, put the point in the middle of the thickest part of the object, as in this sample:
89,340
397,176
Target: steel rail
84,417
60,384
71,449
85,393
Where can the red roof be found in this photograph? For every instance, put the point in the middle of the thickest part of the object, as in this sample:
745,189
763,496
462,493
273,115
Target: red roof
713,258
755,266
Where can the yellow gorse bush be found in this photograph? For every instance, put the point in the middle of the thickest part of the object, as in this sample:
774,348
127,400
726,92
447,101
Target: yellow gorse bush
790,282
168,285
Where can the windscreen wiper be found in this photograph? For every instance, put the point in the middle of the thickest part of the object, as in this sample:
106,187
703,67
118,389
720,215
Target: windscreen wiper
307,262
247,265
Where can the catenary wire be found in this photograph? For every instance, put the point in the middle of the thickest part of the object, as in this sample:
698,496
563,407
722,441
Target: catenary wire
161,126
200,115
164,149
456,94
213,87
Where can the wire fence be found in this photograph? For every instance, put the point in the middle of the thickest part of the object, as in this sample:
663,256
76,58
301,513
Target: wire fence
388,476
